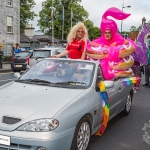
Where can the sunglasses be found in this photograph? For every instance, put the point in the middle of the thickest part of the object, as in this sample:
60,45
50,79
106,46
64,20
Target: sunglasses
80,31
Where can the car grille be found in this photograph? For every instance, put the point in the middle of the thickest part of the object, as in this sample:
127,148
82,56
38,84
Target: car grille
10,120
15,147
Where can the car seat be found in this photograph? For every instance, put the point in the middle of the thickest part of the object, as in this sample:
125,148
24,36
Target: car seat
68,74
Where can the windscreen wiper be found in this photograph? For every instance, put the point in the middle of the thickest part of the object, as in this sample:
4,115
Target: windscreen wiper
71,83
35,81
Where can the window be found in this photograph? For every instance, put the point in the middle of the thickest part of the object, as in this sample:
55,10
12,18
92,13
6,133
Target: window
10,3
40,53
9,24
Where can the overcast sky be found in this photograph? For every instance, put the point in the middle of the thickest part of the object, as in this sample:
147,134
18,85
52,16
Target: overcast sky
96,8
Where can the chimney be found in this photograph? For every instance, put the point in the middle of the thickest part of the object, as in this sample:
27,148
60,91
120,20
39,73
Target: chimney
143,20
29,31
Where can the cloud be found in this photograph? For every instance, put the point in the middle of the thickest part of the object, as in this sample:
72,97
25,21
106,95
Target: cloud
96,8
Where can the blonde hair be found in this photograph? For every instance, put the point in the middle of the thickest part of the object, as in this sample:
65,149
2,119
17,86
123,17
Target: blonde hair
73,32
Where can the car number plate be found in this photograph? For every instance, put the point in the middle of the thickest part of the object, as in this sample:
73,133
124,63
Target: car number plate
5,140
18,65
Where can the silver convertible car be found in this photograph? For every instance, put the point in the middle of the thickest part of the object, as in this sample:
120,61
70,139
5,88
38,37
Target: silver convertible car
57,105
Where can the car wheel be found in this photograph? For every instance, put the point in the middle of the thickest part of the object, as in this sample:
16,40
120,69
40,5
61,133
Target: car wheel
128,105
82,135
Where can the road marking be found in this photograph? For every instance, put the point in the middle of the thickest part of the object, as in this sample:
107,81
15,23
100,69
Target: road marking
6,80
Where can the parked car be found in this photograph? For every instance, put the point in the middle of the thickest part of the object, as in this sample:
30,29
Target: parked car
26,59
20,61
57,105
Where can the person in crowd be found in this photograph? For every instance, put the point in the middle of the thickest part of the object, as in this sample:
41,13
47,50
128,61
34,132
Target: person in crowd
136,68
64,45
1,47
48,45
1,54
147,67
17,49
77,42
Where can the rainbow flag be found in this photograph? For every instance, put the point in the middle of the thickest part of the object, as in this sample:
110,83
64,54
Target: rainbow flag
106,109
131,80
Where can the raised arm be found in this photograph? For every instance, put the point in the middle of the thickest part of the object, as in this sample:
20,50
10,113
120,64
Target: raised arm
64,53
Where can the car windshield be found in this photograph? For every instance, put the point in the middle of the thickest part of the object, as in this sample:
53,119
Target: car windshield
41,53
62,73
23,54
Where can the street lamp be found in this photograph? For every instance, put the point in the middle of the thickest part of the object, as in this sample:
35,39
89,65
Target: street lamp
122,10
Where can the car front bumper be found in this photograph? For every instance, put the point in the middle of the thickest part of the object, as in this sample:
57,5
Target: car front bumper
23,140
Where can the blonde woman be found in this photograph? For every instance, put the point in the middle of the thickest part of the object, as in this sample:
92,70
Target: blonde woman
77,42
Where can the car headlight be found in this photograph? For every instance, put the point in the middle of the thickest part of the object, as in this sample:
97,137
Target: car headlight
40,125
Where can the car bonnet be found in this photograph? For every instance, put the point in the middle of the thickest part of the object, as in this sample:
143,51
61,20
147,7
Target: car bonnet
29,102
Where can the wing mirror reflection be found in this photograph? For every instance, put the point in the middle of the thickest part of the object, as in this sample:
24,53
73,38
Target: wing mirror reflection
17,75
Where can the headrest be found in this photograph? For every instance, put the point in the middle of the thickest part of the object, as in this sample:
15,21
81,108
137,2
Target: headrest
68,72
87,67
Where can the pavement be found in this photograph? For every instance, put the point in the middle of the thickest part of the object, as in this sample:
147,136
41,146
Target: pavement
5,67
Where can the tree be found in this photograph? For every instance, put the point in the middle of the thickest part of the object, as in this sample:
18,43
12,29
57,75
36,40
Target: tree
93,32
133,29
25,13
45,21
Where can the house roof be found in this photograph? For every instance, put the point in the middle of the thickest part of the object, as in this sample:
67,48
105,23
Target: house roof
44,38
24,38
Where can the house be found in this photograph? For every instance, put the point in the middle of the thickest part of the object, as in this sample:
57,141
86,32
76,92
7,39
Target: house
133,35
9,24
37,38
24,41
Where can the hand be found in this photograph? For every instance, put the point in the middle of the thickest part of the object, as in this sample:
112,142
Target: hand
55,56
126,42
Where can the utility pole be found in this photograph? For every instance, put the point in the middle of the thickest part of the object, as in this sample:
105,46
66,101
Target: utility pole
63,23
52,24
122,10
71,14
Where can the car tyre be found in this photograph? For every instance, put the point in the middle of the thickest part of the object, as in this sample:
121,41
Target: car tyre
128,105
82,136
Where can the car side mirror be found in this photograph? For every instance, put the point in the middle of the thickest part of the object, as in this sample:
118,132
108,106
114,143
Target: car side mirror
104,85
17,75
109,84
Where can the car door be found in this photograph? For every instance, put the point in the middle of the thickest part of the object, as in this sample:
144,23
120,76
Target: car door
114,96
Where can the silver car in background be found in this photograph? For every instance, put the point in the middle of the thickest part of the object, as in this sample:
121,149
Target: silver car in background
26,59
56,105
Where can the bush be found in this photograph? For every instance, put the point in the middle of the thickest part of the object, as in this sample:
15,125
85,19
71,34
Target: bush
6,58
